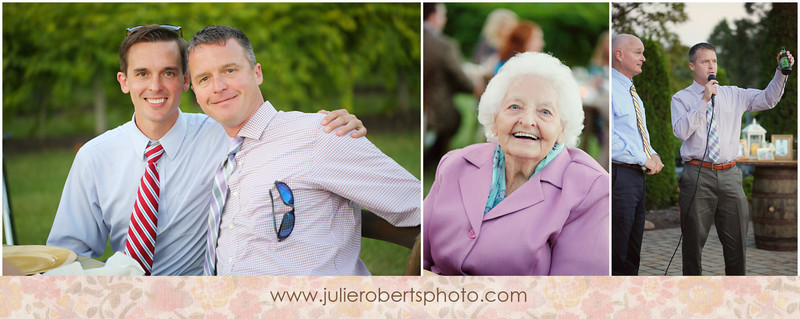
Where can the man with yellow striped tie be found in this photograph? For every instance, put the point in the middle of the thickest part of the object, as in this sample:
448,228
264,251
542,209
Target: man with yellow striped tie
631,154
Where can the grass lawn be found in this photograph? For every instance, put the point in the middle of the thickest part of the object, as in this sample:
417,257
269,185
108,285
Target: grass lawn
35,182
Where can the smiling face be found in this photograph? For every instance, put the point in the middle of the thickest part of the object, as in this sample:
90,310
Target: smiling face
528,120
155,82
705,64
225,83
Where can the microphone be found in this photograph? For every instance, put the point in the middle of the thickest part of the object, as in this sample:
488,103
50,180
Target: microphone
712,77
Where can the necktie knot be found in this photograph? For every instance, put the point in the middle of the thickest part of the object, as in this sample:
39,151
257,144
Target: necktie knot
234,145
153,152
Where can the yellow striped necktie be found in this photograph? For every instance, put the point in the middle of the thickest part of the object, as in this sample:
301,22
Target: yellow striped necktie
640,121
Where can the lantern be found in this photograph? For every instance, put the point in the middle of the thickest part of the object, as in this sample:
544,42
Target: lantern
755,135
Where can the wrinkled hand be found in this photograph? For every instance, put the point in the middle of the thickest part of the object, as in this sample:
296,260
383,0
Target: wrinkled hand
791,58
653,164
343,120
711,89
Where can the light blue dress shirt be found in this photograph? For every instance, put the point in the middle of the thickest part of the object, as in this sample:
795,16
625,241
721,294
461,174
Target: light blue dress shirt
626,142
100,191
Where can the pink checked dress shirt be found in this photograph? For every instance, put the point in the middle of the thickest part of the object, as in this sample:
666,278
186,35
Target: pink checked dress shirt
330,177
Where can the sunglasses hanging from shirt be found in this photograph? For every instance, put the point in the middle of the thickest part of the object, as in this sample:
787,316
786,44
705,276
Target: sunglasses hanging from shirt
287,223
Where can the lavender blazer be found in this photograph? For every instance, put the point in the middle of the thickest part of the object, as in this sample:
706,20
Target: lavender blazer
555,224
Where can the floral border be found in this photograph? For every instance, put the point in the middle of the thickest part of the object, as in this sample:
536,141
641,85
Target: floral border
546,297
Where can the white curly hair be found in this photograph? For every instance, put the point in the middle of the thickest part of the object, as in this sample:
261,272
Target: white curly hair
540,65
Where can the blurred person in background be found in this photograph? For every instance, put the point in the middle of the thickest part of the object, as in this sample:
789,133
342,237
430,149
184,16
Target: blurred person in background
527,36
527,202
498,26
443,78
594,87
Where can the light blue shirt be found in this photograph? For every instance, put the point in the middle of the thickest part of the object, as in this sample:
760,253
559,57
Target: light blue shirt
626,142
100,191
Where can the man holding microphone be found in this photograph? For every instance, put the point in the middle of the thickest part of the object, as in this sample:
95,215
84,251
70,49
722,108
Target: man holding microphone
708,119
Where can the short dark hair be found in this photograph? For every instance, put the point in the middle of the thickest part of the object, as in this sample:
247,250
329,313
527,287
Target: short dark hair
429,8
218,34
151,33
697,47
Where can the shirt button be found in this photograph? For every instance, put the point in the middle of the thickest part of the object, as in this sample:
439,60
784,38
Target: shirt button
235,193
230,260
472,233
230,226
240,163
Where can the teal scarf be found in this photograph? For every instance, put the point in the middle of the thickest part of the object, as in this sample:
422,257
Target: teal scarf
497,192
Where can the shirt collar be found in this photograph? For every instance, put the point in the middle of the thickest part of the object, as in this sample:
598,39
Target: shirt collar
624,80
697,88
257,123
171,142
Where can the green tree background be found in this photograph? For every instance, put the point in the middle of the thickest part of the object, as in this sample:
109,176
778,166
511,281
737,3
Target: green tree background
60,59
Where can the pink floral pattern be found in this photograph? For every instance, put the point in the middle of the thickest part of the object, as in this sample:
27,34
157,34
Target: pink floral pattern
563,297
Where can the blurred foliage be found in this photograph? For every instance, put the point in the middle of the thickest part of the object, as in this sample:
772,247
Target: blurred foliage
736,47
363,57
571,30
780,31
648,19
654,89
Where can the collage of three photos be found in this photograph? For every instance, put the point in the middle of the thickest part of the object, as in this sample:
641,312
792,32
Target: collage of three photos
433,139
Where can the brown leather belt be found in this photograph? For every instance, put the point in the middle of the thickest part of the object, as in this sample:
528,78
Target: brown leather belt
634,166
712,166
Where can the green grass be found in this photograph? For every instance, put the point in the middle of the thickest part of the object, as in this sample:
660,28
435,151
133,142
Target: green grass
35,182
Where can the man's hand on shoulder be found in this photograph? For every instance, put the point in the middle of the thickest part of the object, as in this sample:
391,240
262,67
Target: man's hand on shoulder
344,121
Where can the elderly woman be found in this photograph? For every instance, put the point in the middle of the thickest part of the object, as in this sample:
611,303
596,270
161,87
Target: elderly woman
527,202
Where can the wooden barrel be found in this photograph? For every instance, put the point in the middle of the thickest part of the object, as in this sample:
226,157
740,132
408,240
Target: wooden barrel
774,208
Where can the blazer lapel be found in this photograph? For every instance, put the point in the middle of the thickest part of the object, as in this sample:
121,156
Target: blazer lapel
475,186
526,196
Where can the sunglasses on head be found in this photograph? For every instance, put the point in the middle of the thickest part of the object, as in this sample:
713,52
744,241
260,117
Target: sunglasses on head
175,28
287,223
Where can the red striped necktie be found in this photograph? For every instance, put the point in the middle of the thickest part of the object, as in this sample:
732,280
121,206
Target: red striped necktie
141,243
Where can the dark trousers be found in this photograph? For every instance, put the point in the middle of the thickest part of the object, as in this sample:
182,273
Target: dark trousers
719,199
627,219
